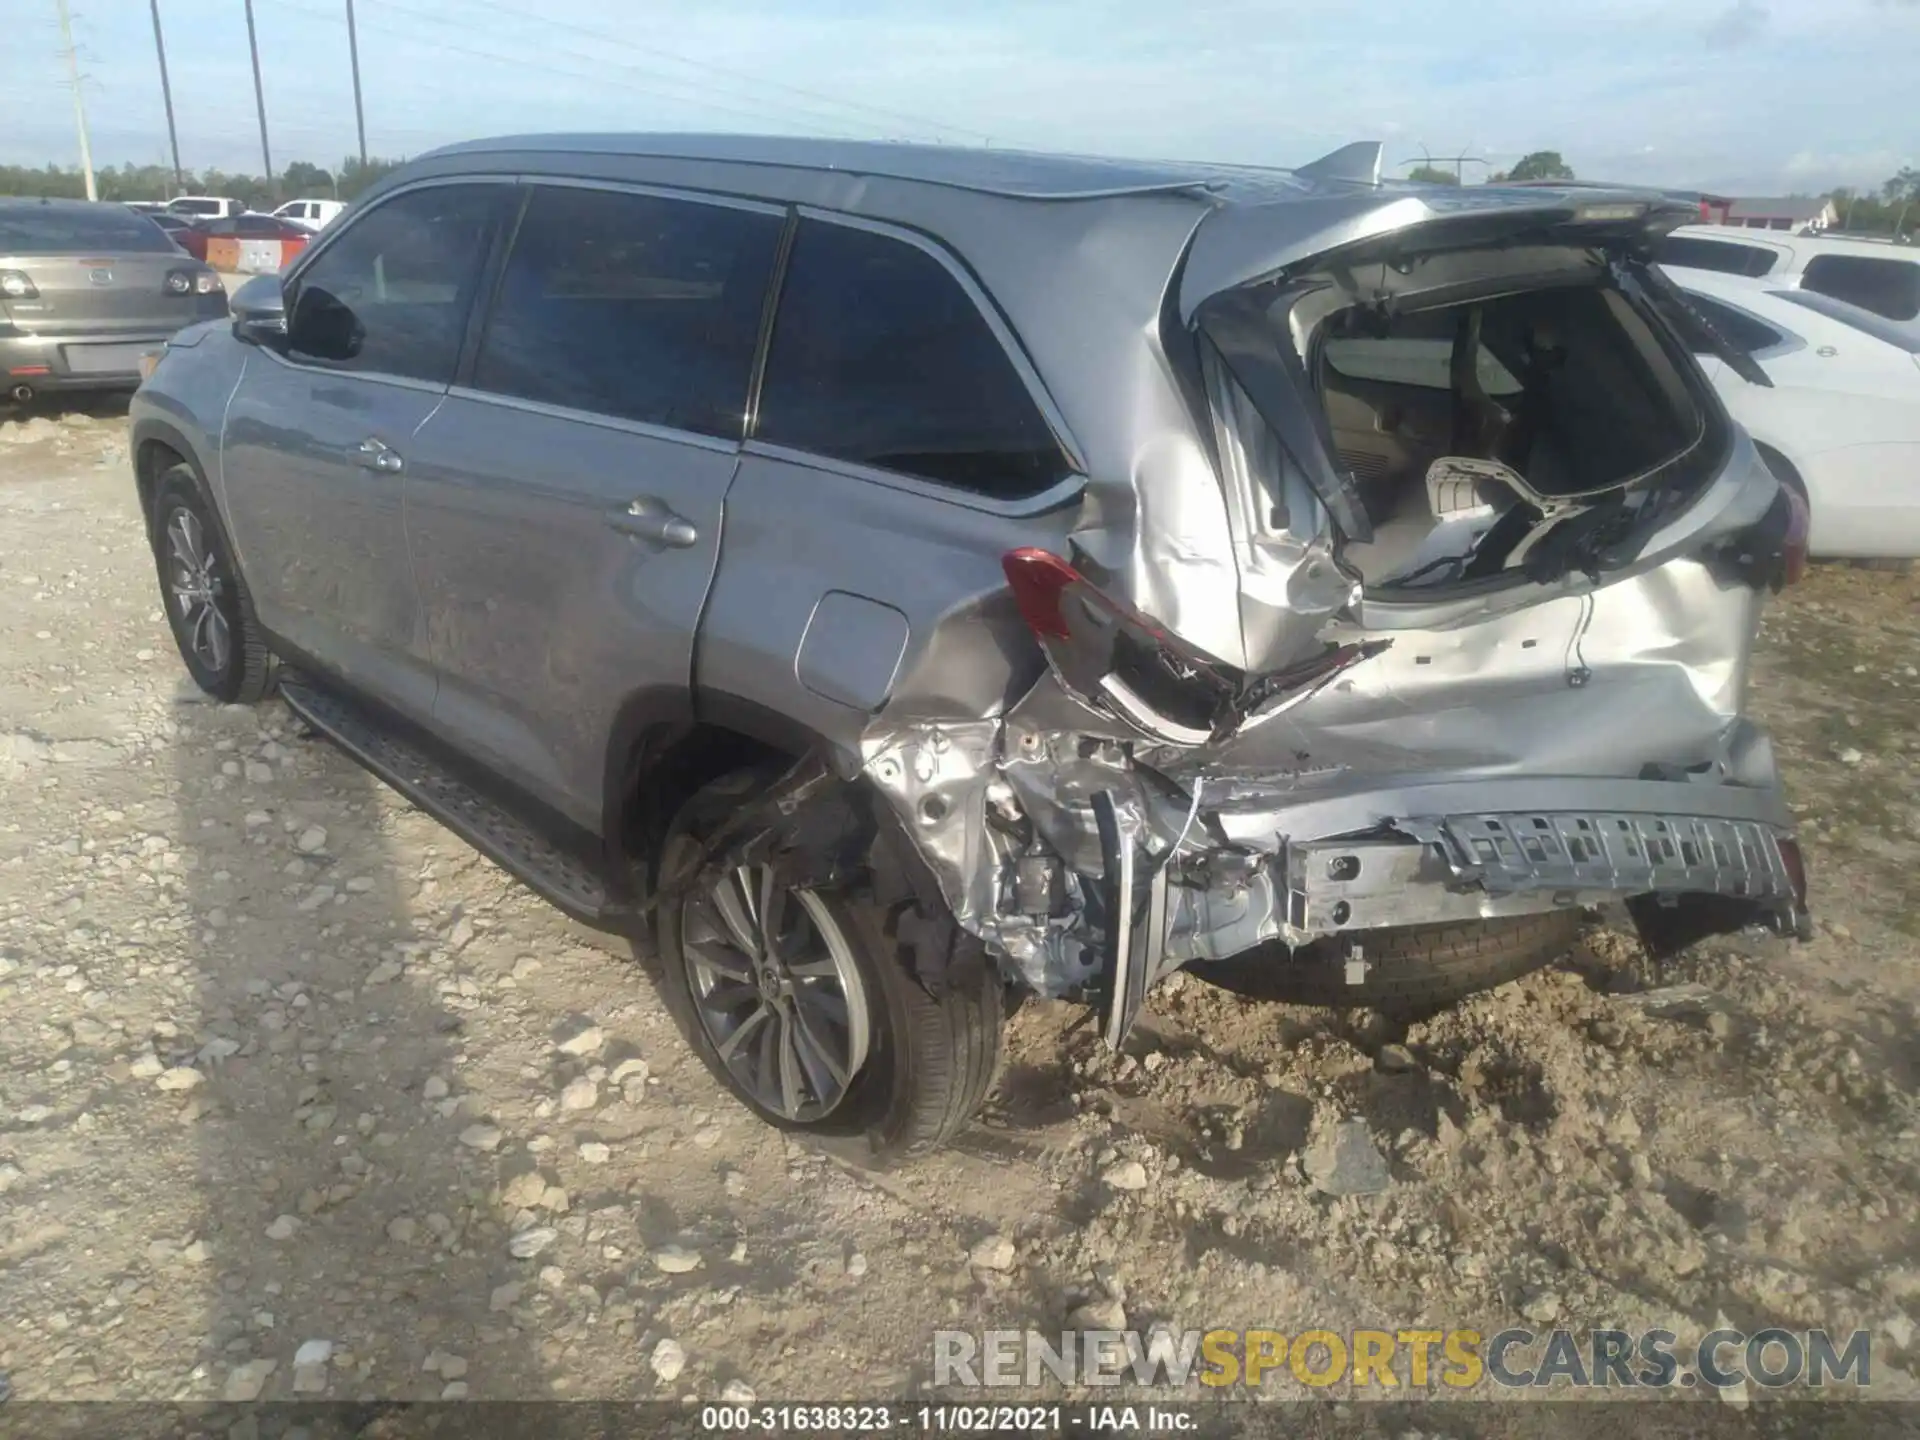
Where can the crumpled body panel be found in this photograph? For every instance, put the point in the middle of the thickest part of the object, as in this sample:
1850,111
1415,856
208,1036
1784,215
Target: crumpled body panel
1622,701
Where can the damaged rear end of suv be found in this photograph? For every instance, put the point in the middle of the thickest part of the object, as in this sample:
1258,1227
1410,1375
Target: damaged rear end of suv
887,580
1416,627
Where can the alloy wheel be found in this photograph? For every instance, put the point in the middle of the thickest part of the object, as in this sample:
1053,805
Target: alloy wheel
196,584
777,991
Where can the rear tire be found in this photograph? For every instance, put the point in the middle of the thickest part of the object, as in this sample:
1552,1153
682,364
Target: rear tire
208,605
927,1060
1411,969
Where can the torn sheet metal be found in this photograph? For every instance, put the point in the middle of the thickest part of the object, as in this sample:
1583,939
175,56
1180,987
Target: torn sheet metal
1461,775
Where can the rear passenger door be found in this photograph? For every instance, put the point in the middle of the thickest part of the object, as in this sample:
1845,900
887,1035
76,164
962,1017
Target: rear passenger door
565,504
902,445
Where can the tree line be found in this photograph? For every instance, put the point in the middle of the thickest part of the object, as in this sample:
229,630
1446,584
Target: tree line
301,180
1891,209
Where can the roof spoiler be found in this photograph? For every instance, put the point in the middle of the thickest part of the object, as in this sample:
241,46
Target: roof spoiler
1358,163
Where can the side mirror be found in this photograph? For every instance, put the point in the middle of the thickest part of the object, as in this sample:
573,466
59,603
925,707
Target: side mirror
323,326
259,312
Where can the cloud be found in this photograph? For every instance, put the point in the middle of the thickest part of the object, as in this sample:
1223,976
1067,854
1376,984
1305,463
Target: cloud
1741,25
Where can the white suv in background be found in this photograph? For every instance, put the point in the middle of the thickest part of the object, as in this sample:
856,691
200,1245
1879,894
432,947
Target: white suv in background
1875,275
206,207
311,212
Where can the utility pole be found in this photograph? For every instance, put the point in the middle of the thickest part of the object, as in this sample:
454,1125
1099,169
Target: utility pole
260,103
359,115
79,105
166,95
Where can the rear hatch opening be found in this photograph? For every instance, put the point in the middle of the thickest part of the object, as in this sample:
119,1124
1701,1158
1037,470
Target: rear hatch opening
1519,432
1468,412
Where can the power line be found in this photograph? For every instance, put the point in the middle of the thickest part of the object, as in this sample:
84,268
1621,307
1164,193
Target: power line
520,62
680,82
756,80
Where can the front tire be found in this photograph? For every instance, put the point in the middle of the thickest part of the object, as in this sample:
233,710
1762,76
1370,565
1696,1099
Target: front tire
804,1004
208,606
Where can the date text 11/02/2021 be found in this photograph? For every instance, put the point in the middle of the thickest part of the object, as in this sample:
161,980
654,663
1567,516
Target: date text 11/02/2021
957,1419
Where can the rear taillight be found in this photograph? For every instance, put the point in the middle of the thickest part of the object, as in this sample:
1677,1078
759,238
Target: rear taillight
1039,582
1115,659
1793,550
14,285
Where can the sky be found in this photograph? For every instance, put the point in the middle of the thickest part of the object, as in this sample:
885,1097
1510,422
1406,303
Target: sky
1755,97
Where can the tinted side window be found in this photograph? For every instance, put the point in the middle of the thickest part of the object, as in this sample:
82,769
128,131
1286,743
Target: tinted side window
255,226
632,305
881,357
407,270
1723,255
1886,287
1745,331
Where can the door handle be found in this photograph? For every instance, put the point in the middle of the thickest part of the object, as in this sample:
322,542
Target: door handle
649,519
374,453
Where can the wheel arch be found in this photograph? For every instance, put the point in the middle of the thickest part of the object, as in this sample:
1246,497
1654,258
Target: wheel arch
666,744
157,448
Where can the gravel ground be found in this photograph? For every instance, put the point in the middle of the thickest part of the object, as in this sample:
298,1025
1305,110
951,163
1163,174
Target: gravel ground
300,1097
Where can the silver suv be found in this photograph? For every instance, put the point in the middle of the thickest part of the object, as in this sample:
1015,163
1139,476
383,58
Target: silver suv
885,581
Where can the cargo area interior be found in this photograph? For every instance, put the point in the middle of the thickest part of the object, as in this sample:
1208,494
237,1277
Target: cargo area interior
1472,430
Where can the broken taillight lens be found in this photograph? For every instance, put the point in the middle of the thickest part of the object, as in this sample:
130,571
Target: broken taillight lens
1039,581
1793,550
1112,657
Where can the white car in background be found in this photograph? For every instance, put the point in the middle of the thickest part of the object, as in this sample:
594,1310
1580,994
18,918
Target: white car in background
1842,421
1876,275
205,207
315,213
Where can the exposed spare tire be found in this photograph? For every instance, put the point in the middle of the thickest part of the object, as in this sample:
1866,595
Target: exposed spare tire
1411,969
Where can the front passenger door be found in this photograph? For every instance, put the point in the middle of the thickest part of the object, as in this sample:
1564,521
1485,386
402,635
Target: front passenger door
316,446
566,503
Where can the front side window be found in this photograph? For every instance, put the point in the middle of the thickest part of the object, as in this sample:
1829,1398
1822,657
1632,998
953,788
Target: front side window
635,306
881,357
391,293
1886,287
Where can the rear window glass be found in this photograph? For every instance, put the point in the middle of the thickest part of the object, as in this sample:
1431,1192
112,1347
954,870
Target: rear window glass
1742,330
196,207
66,230
1886,287
1728,258
1905,336
881,357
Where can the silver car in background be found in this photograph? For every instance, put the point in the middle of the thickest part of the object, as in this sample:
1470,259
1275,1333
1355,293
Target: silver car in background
886,580
86,290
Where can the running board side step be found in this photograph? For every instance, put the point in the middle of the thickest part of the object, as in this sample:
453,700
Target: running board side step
557,876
